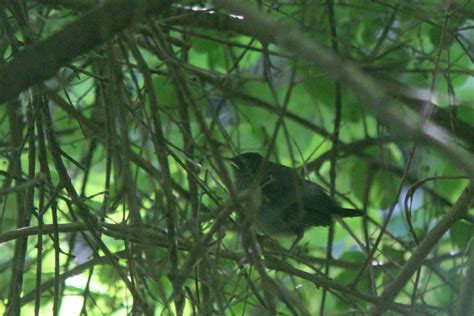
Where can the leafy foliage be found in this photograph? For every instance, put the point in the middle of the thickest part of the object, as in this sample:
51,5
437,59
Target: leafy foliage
116,196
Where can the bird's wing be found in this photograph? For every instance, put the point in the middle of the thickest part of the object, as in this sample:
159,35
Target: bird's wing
279,181
319,206
301,202
315,196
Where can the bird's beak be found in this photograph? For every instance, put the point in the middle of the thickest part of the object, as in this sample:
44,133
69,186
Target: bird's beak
231,162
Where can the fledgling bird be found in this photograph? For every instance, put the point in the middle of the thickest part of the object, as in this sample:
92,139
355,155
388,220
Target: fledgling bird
290,204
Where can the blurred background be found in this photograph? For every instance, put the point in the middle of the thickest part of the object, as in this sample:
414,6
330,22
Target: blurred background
116,118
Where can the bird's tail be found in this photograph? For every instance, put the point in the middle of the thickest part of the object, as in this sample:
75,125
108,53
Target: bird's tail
349,212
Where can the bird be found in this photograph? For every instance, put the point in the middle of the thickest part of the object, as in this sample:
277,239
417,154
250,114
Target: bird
289,204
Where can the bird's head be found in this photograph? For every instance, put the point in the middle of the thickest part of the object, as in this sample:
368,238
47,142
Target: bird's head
247,162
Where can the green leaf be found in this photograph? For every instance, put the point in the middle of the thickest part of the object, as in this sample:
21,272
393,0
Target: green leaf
462,233
384,189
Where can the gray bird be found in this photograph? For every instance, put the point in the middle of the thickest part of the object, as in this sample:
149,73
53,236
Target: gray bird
290,204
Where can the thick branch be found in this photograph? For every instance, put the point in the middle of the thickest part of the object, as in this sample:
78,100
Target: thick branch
42,60
414,263
374,96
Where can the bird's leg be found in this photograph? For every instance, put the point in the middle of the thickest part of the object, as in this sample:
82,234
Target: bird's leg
261,239
299,236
